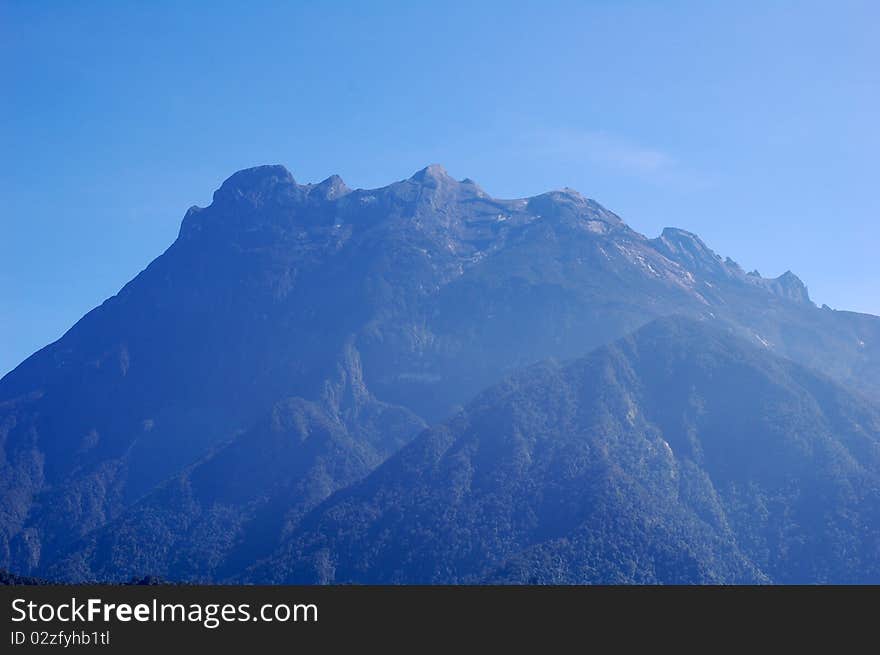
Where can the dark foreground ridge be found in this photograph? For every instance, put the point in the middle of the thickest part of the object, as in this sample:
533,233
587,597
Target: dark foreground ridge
678,455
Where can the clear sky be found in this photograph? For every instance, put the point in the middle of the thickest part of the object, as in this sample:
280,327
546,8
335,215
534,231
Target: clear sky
754,124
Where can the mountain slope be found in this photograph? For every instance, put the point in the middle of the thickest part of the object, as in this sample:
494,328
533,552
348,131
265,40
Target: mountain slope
230,508
414,296
680,454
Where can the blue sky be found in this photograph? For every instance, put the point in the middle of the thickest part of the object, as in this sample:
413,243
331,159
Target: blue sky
753,124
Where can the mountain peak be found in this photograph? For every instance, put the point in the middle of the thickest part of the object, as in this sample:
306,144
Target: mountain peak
330,189
254,185
568,204
790,286
688,249
257,176
432,172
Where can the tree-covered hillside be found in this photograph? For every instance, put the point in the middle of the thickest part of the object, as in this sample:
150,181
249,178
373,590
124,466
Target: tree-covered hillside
680,454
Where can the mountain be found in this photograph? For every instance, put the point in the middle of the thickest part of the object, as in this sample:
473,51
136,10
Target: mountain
679,455
287,311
